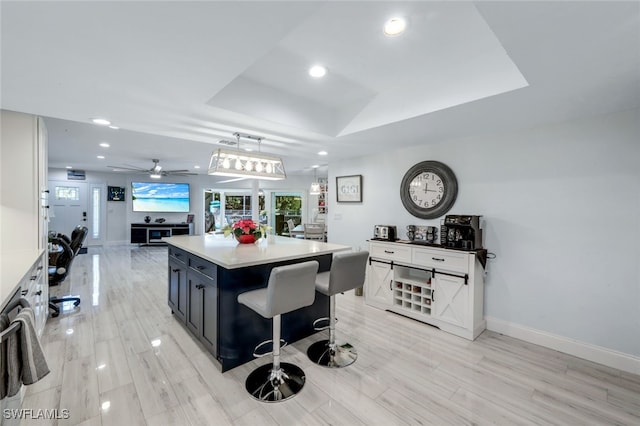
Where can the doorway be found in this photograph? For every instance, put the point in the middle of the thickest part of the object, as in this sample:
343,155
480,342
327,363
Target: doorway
78,203
286,205
224,208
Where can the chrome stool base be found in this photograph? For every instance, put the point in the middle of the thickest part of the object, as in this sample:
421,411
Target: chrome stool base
341,356
267,385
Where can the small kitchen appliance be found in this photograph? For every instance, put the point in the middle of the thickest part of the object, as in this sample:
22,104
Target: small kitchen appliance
385,232
461,231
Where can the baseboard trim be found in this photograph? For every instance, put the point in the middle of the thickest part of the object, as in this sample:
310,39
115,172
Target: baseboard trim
599,354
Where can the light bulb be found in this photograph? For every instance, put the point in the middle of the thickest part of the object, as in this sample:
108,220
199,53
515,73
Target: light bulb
225,163
258,167
394,27
248,166
238,164
269,168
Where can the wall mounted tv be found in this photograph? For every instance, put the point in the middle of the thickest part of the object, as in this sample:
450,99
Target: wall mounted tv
160,197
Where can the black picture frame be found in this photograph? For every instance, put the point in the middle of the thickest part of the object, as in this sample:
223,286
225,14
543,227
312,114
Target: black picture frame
349,189
115,193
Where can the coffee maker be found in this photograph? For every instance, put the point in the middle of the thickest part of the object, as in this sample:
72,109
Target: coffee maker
461,231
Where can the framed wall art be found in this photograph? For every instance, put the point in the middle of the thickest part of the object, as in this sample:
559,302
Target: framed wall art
349,189
115,193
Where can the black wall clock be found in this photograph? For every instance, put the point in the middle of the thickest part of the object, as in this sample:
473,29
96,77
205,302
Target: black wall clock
428,189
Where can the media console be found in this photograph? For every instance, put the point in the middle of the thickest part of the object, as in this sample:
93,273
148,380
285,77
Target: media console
153,233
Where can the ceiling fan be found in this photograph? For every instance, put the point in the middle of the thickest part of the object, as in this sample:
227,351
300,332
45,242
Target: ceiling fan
155,172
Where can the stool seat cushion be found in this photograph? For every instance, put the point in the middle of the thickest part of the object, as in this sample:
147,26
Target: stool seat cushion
255,300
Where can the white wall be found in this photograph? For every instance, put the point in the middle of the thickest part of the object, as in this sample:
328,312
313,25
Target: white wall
561,209
120,215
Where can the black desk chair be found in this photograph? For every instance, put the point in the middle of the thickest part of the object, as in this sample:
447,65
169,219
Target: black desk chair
78,235
59,271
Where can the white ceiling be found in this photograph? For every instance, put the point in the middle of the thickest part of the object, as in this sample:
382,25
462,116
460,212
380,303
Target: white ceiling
177,77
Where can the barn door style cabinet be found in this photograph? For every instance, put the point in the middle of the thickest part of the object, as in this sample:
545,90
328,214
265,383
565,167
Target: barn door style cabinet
441,287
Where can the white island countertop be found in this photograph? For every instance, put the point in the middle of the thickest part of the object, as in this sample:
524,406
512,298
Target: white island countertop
230,254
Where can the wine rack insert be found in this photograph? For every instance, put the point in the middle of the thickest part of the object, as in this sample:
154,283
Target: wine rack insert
412,290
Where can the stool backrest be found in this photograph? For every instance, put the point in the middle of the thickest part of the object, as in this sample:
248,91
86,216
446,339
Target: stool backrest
291,287
347,271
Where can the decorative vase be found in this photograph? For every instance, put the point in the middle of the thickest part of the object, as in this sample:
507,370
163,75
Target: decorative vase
246,239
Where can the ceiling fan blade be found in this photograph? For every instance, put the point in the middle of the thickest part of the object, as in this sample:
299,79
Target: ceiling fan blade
122,168
176,171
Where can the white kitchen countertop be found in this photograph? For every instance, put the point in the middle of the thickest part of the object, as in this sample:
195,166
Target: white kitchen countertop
229,254
14,265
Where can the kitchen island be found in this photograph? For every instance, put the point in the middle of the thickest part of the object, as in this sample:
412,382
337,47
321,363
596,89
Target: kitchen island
206,275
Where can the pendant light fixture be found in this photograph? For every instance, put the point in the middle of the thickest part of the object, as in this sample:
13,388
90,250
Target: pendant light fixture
315,186
235,163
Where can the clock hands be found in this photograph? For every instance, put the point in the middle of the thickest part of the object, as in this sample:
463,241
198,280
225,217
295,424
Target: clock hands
426,188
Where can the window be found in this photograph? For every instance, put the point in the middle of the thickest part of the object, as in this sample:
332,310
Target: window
71,193
95,218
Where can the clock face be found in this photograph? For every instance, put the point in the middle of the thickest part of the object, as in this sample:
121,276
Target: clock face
428,189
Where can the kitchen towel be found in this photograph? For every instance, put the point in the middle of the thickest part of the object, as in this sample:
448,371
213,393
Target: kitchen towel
25,362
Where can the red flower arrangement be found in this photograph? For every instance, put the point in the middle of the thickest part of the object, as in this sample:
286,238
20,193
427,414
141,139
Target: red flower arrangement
245,231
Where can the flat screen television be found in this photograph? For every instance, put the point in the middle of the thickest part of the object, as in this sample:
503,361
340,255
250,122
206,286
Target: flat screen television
160,197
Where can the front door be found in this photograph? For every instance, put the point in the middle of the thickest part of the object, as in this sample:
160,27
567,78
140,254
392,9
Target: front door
68,206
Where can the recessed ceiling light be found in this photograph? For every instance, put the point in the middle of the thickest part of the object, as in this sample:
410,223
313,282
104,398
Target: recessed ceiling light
315,166
114,127
323,153
100,157
196,167
394,27
101,121
104,145
317,71
68,167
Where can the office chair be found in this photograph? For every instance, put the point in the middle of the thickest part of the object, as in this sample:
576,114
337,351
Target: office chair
78,235
58,273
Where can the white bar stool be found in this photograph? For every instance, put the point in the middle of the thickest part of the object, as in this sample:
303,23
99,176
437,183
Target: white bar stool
290,287
347,272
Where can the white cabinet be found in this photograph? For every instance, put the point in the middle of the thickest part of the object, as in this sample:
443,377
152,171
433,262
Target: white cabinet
451,300
23,217
23,177
36,290
378,285
441,287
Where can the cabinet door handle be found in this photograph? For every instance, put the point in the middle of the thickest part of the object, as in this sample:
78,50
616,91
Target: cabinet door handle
39,268
38,293
200,267
389,251
438,259
24,292
390,284
176,270
200,286
33,277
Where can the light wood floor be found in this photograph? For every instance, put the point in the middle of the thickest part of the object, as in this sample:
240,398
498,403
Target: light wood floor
122,359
